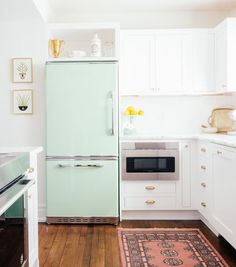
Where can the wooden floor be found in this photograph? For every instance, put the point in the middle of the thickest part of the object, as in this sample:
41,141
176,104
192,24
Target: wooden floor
97,245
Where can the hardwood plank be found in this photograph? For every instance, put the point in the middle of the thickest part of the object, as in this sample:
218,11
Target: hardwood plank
71,250
57,249
115,248
98,247
108,244
46,238
88,246
81,246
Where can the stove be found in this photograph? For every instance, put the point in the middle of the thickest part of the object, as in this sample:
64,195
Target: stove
12,168
13,209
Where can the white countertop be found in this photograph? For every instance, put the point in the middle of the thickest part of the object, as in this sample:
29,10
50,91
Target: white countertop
30,149
222,139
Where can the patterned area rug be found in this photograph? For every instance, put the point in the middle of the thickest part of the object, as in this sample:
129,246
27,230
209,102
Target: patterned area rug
167,247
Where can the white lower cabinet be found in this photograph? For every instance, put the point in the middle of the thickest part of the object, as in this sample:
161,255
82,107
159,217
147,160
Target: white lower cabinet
203,180
223,192
185,175
149,195
150,203
162,195
215,190
32,225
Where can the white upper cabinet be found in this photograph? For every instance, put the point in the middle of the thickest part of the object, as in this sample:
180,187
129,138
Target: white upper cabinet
166,61
172,56
225,56
203,61
137,63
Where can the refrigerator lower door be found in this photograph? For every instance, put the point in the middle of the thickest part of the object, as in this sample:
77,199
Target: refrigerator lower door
82,191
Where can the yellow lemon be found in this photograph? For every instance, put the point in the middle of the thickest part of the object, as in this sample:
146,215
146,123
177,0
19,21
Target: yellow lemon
130,108
133,112
140,112
126,113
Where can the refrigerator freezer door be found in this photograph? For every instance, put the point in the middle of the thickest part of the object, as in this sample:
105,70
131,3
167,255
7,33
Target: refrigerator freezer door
82,188
82,109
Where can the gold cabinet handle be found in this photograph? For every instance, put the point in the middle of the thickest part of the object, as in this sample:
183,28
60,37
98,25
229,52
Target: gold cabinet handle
203,204
203,184
30,170
203,150
219,152
150,187
29,196
203,167
150,201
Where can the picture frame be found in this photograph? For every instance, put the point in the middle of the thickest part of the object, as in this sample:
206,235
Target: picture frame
22,70
22,101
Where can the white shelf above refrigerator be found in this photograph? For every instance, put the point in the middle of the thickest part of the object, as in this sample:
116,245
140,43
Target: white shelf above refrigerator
78,36
82,59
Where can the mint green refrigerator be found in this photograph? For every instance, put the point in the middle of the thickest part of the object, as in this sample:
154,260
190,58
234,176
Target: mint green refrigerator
82,142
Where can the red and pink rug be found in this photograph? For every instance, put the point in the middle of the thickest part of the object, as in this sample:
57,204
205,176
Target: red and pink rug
167,247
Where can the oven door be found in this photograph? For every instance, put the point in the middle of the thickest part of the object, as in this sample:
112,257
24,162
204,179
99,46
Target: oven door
14,225
150,164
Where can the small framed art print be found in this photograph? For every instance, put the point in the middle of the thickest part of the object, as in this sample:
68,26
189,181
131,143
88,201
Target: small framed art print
22,70
23,101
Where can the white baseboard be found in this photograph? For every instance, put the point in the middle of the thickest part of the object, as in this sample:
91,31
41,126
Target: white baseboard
161,215
42,213
206,222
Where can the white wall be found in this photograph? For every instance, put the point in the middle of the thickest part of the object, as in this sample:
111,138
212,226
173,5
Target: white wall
23,39
23,10
233,12
173,115
43,7
142,20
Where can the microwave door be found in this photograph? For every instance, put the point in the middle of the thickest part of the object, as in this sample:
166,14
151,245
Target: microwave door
150,165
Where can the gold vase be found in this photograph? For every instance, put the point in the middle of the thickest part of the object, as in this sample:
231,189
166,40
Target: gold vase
56,47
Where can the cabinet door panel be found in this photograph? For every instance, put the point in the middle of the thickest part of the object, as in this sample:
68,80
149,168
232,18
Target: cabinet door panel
203,61
174,62
224,198
136,64
169,62
221,58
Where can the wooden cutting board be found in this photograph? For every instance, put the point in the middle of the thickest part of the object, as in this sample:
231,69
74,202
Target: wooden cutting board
221,119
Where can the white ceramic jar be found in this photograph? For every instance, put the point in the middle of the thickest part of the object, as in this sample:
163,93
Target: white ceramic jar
95,46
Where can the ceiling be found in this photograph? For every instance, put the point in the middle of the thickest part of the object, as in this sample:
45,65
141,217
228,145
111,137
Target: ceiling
103,6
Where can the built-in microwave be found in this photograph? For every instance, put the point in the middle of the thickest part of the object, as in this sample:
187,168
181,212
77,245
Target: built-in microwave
150,160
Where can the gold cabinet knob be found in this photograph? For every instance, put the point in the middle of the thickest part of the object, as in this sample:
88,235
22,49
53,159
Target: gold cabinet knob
150,187
203,150
150,202
30,170
203,167
203,204
203,184
30,196
186,146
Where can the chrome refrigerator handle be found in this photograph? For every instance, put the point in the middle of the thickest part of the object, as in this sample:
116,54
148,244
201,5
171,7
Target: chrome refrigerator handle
80,166
112,113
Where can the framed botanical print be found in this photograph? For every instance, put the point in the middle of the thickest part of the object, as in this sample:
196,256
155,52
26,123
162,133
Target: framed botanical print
22,70
23,101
